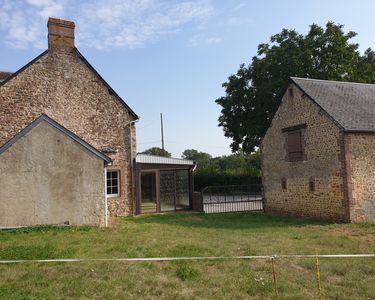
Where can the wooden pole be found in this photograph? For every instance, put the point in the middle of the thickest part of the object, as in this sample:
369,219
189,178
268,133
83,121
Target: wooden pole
274,278
162,131
320,292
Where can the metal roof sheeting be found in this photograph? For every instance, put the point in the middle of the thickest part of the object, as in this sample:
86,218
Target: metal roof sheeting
153,159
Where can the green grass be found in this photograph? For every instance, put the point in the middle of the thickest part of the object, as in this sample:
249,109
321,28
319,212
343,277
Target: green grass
189,235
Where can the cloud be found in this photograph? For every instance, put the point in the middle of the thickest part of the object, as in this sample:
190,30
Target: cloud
214,40
201,39
24,22
239,21
100,24
134,23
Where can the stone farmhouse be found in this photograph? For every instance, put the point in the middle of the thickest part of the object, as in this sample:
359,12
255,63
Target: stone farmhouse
61,85
318,156
68,145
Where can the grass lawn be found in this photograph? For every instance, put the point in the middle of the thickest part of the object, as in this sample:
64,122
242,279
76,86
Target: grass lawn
189,235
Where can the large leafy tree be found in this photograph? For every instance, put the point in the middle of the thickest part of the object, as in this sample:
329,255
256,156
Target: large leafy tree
157,151
253,94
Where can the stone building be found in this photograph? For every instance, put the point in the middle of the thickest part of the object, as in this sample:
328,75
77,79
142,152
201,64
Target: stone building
95,126
318,157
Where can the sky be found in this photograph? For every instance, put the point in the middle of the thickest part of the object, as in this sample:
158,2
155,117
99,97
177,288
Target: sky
169,56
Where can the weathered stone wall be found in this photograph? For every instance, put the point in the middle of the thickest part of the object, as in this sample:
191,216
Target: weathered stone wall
323,162
61,85
50,179
360,157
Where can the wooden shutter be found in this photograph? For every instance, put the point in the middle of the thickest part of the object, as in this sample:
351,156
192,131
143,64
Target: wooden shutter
295,145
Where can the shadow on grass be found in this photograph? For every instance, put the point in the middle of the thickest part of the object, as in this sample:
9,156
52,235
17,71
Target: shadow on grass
227,220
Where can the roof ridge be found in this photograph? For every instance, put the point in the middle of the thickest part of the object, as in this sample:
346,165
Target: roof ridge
336,81
163,156
92,69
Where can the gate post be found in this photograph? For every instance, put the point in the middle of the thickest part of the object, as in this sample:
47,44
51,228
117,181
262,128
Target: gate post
198,201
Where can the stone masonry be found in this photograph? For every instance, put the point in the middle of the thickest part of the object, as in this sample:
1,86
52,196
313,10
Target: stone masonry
360,159
60,84
323,162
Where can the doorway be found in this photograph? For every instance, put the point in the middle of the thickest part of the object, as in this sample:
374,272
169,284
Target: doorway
148,193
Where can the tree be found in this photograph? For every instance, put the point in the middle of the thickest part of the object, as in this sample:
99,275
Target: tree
253,94
157,151
203,159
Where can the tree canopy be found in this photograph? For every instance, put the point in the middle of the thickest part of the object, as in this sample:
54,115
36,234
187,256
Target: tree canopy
235,169
253,94
157,151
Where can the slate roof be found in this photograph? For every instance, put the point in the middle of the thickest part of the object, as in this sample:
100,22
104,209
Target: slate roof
351,105
4,75
62,129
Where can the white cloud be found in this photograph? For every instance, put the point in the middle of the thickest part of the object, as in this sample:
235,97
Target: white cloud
214,40
24,22
239,21
134,23
100,24
201,40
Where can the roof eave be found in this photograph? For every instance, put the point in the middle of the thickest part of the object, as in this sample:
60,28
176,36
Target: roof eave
23,68
359,130
136,117
341,127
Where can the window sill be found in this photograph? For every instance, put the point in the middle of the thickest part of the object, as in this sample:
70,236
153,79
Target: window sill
113,196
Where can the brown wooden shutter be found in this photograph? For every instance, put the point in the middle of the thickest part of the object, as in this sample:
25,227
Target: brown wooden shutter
295,145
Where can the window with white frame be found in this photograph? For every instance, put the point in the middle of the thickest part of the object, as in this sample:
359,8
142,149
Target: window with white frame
113,183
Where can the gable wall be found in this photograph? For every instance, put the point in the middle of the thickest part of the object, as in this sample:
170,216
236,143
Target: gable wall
360,156
50,179
60,85
323,162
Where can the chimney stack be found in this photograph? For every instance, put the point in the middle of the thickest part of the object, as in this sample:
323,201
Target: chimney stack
60,34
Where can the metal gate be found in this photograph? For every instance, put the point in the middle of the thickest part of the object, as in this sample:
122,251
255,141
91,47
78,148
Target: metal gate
232,198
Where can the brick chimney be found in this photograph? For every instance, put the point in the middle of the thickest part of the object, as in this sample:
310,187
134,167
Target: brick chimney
60,34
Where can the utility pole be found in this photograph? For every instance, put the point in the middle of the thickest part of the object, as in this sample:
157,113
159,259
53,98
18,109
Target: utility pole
162,131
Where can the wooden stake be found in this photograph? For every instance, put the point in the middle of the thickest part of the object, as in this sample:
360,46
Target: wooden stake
274,278
320,292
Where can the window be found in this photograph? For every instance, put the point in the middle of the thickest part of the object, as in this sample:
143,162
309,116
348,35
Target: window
283,183
113,183
295,145
294,142
312,185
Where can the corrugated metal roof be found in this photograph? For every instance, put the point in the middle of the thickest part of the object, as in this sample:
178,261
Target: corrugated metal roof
153,159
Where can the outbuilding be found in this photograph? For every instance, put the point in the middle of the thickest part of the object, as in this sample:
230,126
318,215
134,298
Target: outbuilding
163,184
49,175
318,155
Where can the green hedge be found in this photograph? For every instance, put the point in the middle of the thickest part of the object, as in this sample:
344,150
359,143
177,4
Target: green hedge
202,180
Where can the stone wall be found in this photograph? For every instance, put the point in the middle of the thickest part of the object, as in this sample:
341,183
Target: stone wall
61,85
323,162
361,180
47,178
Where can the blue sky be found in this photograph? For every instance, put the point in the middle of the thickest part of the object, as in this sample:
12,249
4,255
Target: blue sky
172,56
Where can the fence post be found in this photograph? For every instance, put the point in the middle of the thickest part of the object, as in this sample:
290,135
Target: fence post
274,278
320,293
